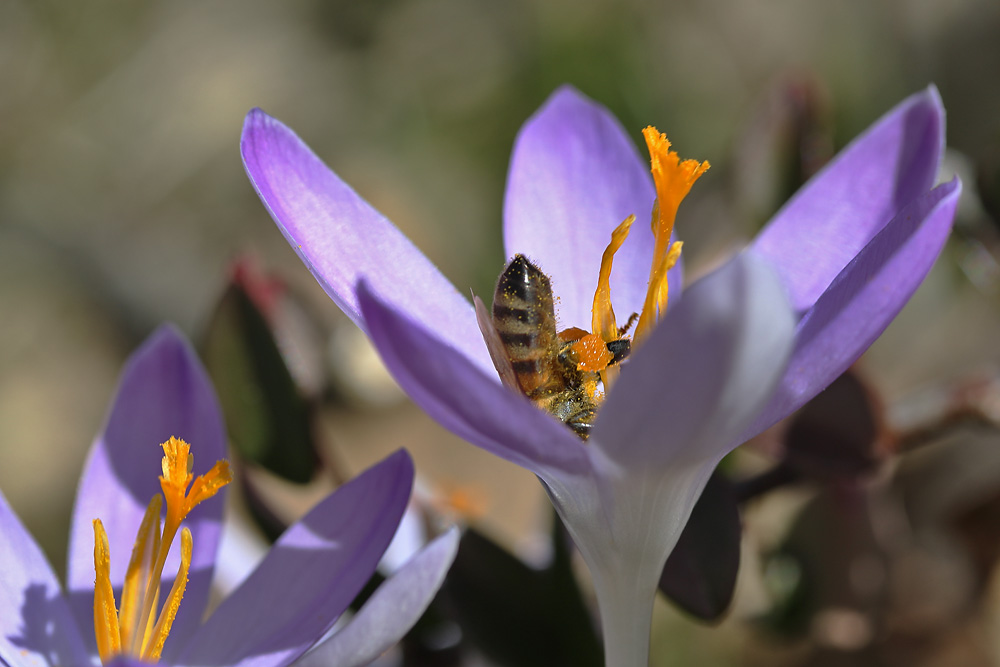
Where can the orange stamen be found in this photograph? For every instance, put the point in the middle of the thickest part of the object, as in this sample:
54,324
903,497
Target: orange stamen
603,315
147,545
136,630
105,614
154,646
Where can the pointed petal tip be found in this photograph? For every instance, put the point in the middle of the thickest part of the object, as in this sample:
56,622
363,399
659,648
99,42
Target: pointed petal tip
567,92
863,299
846,204
450,537
310,576
928,102
929,99
567,101
446,544
391,611
257,117
166,340
934,93
168,333
256,120
932,96
575,173
403,462
954,184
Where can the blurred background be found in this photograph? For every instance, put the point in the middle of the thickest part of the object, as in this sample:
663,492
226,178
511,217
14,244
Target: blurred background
123,204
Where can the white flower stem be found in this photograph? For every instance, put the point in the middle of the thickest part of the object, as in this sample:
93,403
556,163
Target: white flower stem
626,606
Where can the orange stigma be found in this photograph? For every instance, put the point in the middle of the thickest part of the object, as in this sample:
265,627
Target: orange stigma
136,630
673,179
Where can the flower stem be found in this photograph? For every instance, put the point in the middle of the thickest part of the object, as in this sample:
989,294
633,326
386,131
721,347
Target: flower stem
626,606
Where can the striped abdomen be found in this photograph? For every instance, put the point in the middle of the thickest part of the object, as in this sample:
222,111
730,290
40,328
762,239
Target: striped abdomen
525,320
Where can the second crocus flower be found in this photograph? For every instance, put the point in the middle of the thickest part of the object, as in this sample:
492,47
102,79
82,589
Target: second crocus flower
283,608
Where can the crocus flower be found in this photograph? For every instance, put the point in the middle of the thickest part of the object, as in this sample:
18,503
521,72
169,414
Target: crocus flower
742,348
280,611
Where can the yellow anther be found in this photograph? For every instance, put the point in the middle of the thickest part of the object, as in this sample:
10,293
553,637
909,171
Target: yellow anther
136,630
155,645
147,545
673,178
603,315
105,615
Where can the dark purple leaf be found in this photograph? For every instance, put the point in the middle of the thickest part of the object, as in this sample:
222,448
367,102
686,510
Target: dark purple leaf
700,574
838,433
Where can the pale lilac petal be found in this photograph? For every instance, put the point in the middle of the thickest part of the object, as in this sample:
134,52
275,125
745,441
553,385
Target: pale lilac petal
843,207
574,176
391,611
863,300
36,625
410,537
163,392
241,549
467,402
342,239
310,575
704,373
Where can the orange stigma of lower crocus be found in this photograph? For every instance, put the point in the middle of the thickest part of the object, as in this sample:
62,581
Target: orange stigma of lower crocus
137,629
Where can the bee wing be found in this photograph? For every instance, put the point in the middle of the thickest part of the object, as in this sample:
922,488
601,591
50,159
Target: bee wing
496,348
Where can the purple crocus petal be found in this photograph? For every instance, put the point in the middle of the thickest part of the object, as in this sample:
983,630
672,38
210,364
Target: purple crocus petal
863,300
391,611
123,661
705,372
843,207
574,176
164,391
464,400
310,575
342,239
36,625
241,549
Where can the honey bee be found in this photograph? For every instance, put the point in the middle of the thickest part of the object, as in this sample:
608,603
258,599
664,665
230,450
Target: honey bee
535,359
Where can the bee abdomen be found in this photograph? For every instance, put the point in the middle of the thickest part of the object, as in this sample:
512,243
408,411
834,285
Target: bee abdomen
517,339
524,319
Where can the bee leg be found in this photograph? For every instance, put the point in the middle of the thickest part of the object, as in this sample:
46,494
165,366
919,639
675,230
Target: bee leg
628,325
582,423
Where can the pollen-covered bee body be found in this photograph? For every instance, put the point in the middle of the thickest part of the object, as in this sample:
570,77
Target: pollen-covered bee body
525,321
544,367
